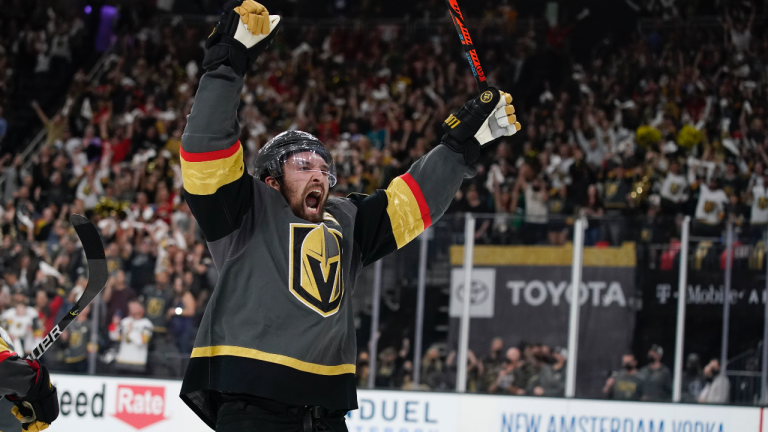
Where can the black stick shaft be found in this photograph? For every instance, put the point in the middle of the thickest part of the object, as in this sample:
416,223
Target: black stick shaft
97,279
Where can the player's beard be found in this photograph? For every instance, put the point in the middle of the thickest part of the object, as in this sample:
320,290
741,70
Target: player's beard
297,201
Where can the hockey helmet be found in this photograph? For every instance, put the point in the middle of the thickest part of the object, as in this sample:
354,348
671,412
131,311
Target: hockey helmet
272,157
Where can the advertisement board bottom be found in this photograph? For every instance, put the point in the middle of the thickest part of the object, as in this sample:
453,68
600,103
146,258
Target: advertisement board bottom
92,403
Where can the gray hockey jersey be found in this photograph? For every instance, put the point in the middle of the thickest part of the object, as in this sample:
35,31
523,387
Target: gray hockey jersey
279,323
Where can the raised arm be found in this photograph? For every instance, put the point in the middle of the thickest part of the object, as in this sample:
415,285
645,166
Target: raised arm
388,219
40,114
218,189
212,165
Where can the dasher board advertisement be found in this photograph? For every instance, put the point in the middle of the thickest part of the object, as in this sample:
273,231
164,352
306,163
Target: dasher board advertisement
97,404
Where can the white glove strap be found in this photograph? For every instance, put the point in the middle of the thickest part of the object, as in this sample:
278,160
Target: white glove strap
244,36
496,125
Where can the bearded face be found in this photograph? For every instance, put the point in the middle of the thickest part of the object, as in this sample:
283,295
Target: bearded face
305,185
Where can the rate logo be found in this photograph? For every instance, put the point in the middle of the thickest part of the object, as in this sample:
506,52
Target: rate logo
140,406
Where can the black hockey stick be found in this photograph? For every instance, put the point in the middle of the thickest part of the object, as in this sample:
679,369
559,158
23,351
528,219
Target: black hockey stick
97,279
466,42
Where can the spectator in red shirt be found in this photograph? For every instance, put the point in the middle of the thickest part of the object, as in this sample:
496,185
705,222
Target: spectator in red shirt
47,308
328,129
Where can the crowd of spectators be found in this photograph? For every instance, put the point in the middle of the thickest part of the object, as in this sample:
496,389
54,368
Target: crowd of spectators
653,382
42,43
540,370
530,369
669,124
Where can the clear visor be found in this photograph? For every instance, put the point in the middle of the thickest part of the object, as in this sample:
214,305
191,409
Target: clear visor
310,163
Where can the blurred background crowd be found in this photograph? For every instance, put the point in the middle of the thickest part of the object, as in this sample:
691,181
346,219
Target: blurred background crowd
539,370
659,121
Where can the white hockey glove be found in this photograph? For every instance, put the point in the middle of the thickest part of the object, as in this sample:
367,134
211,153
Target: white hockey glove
480,121
244,31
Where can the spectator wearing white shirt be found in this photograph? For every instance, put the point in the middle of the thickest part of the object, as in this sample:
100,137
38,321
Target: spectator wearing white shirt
594,151
740,34
559,167
134,333
90,189
673,190
718,388
710,210
20,322
758,217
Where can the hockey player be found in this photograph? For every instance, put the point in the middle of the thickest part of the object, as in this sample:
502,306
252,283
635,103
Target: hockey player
275,350
28,385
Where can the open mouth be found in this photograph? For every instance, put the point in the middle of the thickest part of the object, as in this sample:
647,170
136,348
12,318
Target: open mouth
312,201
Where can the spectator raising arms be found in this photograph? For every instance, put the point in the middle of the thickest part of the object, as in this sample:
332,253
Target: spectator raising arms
134,333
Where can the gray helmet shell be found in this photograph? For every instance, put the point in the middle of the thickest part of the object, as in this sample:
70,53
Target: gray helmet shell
271,157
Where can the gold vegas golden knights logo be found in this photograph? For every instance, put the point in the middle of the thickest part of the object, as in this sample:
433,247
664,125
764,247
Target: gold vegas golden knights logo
315,267
486,96
709,206
75,339
611,189
155,307
673,188
762,203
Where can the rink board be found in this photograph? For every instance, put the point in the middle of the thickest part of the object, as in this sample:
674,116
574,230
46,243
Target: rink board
149,405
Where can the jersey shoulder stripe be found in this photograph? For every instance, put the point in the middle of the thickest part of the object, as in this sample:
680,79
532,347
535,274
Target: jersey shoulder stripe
211,155
419,196
407,209
205,173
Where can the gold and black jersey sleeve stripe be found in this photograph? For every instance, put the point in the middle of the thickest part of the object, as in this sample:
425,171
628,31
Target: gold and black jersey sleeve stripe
390,218
217,187
205,173
218,190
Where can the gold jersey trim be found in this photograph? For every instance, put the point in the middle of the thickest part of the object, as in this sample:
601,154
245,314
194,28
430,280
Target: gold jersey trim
313,368
206,177
405,214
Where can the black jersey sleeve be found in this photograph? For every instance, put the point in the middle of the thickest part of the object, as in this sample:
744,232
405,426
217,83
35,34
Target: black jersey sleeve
217,186
16,376
390,218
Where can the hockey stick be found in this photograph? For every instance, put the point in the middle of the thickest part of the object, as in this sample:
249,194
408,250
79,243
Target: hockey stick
466,42
97,279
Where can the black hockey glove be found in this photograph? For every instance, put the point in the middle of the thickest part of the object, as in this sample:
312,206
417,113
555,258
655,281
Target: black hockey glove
244,31
480,121
40,407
